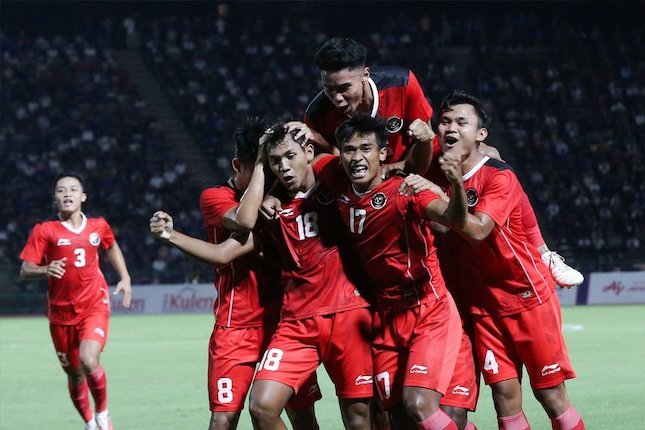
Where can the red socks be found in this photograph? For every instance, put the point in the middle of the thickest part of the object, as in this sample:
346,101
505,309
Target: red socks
470,426
438,421
570,420
513,422
81,400
98,386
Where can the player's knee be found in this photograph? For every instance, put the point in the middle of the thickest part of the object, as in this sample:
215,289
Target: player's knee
554,400
419,406
507,397
356,416
223,420
89,361
458,415
263,410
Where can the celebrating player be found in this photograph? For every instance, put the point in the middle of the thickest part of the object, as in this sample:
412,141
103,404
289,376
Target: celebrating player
65,249
324,318
248,300
516,315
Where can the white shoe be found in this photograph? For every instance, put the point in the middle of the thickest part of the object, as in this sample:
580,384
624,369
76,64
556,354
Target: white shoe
91,425
103,421
564,275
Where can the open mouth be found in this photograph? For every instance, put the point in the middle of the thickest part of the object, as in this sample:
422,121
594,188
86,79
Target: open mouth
288,180
450,141
358,171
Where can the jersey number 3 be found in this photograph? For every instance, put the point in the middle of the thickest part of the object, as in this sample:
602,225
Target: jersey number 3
80,257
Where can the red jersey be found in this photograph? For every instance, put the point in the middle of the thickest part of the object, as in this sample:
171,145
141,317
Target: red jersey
508,273
391,237
310,238
83,284
398,98
247,291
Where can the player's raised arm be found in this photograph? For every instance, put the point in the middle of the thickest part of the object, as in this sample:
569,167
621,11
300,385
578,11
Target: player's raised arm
420,156
118,262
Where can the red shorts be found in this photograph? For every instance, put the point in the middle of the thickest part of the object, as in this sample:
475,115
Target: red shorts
415,347
67,338
532,338
340,341
463,390
233,354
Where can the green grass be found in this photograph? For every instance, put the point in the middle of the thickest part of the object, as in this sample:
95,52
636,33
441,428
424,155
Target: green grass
156,368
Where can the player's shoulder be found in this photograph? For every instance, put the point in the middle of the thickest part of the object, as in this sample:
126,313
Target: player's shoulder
318,107
493,166
223,190
390,76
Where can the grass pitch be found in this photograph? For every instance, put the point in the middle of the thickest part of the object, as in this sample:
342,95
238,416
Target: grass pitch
156,367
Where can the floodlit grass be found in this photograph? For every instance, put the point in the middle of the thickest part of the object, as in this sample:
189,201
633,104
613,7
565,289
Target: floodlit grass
156,367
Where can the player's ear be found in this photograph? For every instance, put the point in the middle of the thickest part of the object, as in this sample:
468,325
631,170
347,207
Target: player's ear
366,73
235,163
83,197
382,154
482,134
309,152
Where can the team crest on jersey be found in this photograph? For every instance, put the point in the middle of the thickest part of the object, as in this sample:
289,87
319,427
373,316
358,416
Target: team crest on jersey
471,197
394,124
325,198
379,200
95,239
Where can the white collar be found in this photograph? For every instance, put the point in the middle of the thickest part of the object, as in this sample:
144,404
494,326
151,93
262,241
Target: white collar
374,96
475,168
69,227
306,194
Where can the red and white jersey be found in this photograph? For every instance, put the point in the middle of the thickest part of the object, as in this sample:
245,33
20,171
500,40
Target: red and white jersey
83,284
391,237
248,291
316,278
398,98
508,273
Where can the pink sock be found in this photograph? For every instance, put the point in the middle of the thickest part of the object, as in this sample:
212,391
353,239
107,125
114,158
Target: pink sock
98,386
470,426
438,421
570,420
81,400
513,422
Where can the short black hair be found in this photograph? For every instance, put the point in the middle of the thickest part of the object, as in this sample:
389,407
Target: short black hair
460,97
362,123
340,53
278,133
247,136
69,175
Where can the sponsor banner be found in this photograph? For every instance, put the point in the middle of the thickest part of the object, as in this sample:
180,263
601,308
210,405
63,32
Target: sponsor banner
567,296
616,288
162,299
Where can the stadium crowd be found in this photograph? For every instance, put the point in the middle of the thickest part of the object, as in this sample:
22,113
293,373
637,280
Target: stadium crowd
568,95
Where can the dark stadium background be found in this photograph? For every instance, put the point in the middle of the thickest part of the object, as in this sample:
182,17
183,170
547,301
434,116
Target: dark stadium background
147,116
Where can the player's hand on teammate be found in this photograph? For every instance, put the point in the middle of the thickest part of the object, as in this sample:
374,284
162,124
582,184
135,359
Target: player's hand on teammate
124,286
56,269
161,225
270,208
451,167
490,151
420,130
414,184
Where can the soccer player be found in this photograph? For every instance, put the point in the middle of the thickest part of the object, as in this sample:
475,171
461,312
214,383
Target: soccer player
248,293
65,249
418,329
394,93
516,315
324,317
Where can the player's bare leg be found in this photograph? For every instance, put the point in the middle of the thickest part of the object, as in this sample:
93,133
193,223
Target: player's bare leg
224,420
507,398
458,415
380,419
355,413
268,398
400,419
89,353
555,402
422,404
303,419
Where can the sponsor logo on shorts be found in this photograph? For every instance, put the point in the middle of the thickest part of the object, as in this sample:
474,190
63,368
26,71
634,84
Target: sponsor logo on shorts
363,380
63,242
551,369
99,331
95,239
526,294
417,368
461,391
